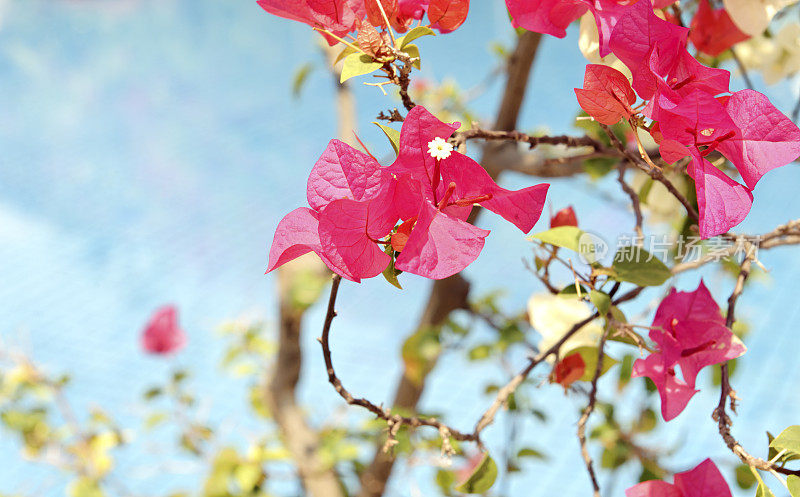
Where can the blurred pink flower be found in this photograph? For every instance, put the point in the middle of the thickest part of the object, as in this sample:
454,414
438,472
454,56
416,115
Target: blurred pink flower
162,335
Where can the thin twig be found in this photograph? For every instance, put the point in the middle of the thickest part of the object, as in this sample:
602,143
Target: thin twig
587,458
380,412
635,203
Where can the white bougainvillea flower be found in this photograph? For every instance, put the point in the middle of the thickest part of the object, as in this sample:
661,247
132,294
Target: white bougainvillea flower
439,149
589,44
777,57
552,316
753,16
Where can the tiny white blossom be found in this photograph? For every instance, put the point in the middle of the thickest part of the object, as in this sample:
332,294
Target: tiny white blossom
439,149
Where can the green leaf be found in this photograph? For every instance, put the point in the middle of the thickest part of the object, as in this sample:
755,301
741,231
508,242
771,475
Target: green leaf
390,273
589,356
789,441
481,479
793,482
601,300
357,64
85,487
415,33
762,490
562,236
392,134
413,52
637,266
480,352
348,50
300,78
528,452
744,478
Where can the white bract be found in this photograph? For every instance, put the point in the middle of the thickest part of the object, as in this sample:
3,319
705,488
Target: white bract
589,44
552,316
753,16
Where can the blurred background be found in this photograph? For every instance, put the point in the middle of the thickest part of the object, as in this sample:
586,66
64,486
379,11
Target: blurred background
149,149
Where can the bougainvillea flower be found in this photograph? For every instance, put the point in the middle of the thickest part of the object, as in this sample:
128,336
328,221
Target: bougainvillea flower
766,138
753,16
350,197
162,335
690,333
355,204
705,480
568,370
337,16
606,95
713,31
648,45
438,187
413,9
564,217
553,16
546,16
447,15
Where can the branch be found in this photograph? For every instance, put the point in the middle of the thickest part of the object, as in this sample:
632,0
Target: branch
504,393
726,391
587,459
452,293
654,172
635,203
395,420
533,141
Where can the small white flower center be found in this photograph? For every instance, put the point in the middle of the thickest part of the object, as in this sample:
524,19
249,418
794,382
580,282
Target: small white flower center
439,149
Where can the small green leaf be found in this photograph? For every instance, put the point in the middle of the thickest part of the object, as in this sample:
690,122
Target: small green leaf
601,300
413,52
392,134
415,33
300,78
637,266
481,479
744,478
528,452
793,482
562,236
390,273
357,64
480,352
762,490
789,441
348,50
589,356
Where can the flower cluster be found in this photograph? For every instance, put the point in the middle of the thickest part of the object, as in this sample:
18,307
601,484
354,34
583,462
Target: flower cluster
341,17
356,204
689,332
691,109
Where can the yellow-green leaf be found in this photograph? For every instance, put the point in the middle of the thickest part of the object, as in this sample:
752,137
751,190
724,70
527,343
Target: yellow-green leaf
793,482
415,33
413,52
357,64
601,301
392,134
788,441
562,236
637,266
481,479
